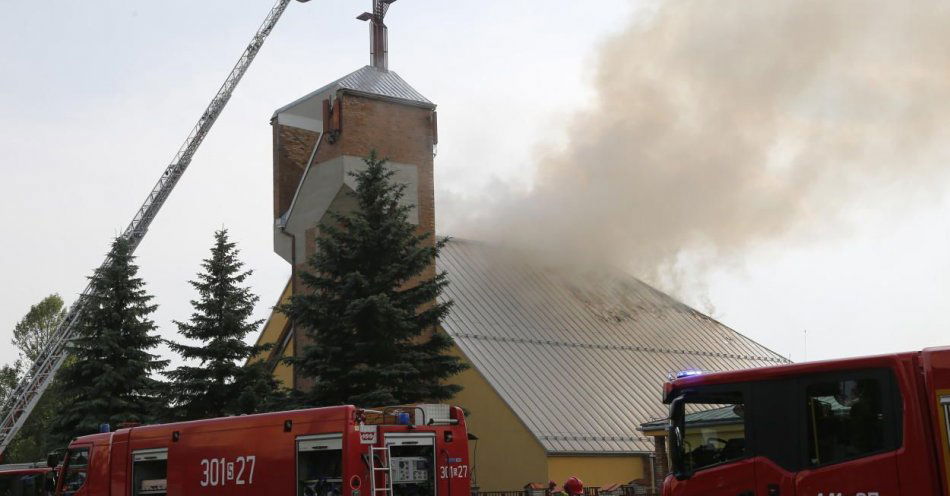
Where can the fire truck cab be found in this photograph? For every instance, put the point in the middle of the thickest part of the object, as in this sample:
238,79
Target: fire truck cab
26,479
419,450
875,426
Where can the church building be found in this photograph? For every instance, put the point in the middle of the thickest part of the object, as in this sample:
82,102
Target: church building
564,367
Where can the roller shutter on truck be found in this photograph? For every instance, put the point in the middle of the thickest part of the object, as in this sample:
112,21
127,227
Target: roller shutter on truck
319,464
150,472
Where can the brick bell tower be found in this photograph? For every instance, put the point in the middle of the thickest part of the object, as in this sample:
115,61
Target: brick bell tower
322,137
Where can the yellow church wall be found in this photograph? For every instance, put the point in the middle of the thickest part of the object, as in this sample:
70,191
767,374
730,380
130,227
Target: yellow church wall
508,456
271,334
598,471
274,326
284,372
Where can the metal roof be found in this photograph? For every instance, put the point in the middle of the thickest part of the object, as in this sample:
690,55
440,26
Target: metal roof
714,416
372,82
580,358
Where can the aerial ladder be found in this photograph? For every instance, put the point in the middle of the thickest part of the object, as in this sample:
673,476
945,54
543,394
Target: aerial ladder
37,379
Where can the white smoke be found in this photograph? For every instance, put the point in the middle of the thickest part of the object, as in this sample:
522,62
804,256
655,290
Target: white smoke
722,124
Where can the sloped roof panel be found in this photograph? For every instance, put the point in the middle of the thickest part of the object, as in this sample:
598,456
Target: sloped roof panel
580,357
369,81
373,81
723,415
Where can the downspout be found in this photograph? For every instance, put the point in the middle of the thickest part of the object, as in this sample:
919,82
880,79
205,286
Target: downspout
282,224
293,291
293,260
653,471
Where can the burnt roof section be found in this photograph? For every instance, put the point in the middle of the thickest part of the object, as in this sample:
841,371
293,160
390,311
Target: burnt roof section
580,358
373,83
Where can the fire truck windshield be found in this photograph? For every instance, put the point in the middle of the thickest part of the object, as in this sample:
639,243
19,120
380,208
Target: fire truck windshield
707,428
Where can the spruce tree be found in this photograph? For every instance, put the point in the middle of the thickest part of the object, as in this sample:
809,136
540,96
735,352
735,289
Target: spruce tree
109,378
371,312
219,384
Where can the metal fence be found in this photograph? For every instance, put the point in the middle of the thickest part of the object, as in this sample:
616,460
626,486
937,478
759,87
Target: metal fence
626,490
520,492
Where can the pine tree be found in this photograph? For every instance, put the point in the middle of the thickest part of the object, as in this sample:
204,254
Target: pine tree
109,378
370,311
219,385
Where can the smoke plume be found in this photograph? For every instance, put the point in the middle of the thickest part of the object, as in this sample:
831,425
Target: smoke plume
722,124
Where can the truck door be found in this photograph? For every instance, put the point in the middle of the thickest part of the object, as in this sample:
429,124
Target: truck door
412,463
320,465
852,428
75,471
708,440
777,445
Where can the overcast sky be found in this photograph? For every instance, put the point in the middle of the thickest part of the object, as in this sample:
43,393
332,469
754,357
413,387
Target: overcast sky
96,96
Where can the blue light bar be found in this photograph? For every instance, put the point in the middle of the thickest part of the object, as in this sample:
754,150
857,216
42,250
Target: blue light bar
688,373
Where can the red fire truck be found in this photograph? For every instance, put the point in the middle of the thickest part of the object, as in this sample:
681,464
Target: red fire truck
26,479
420,450
875,426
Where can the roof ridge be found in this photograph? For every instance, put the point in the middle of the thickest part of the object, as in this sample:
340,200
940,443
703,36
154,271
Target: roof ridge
625,347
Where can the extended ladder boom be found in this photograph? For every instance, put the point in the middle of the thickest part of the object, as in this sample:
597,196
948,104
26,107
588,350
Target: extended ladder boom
28,392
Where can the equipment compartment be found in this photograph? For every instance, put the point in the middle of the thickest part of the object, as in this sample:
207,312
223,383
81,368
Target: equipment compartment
150,472
320,465
412,464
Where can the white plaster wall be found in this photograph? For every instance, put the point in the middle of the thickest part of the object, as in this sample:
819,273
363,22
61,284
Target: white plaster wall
321,185
305,114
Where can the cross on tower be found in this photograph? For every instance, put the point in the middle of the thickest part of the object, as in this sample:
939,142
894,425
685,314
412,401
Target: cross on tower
378,34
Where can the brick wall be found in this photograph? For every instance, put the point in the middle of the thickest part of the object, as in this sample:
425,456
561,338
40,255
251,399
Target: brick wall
292,149
401,133
661,466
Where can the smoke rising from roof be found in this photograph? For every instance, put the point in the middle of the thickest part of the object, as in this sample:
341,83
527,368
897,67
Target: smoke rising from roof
720,125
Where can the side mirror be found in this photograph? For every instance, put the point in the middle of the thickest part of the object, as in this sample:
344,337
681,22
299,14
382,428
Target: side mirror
676,436
676,451
677,420
53,459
